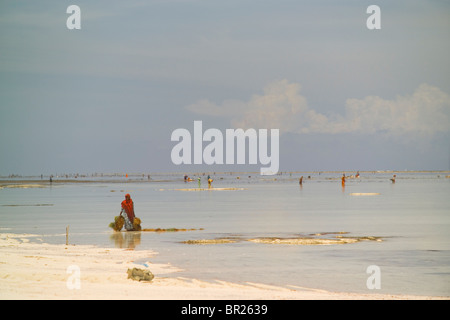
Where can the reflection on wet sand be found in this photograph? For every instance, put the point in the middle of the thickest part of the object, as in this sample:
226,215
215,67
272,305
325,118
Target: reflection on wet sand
126,240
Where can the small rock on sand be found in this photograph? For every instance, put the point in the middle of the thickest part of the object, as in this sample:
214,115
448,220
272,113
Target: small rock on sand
140,274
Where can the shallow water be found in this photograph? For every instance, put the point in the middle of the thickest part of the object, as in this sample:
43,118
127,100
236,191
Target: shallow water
411,217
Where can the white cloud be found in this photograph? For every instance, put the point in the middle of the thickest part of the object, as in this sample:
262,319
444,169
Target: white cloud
281,106
426,111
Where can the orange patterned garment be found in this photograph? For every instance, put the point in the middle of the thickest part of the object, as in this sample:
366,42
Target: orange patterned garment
128,206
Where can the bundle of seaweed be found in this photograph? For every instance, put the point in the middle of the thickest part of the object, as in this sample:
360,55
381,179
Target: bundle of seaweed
118,223
140,274
137,224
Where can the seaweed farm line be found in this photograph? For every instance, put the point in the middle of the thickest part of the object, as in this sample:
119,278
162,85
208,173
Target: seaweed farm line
252,228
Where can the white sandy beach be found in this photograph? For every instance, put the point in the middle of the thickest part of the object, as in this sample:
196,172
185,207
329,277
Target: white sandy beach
30,270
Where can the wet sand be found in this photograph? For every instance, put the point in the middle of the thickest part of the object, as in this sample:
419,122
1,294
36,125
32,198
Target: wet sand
33,270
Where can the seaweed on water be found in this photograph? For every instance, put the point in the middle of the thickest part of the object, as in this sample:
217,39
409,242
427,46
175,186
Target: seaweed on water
209,241
316,239
169,229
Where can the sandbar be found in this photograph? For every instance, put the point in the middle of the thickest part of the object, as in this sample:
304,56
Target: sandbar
204,189
35,270
364,194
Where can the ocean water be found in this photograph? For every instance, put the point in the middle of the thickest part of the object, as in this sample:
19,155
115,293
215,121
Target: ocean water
403,228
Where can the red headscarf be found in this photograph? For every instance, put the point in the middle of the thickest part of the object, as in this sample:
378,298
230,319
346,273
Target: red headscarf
128,206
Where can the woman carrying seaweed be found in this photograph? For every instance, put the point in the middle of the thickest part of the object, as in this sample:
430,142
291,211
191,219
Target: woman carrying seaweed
127,212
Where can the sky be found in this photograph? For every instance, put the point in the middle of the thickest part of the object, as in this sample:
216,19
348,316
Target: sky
107,97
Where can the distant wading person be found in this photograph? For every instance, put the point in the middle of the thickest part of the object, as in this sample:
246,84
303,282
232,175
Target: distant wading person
209,181
127,212
393,178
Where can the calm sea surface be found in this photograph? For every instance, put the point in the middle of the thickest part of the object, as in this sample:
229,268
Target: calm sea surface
410,217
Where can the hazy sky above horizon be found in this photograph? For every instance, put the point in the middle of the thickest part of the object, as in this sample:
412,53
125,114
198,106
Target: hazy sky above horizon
106,98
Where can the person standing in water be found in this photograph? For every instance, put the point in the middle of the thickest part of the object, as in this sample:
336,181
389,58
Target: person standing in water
127,212
393,178
300,181
209,181
343,180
